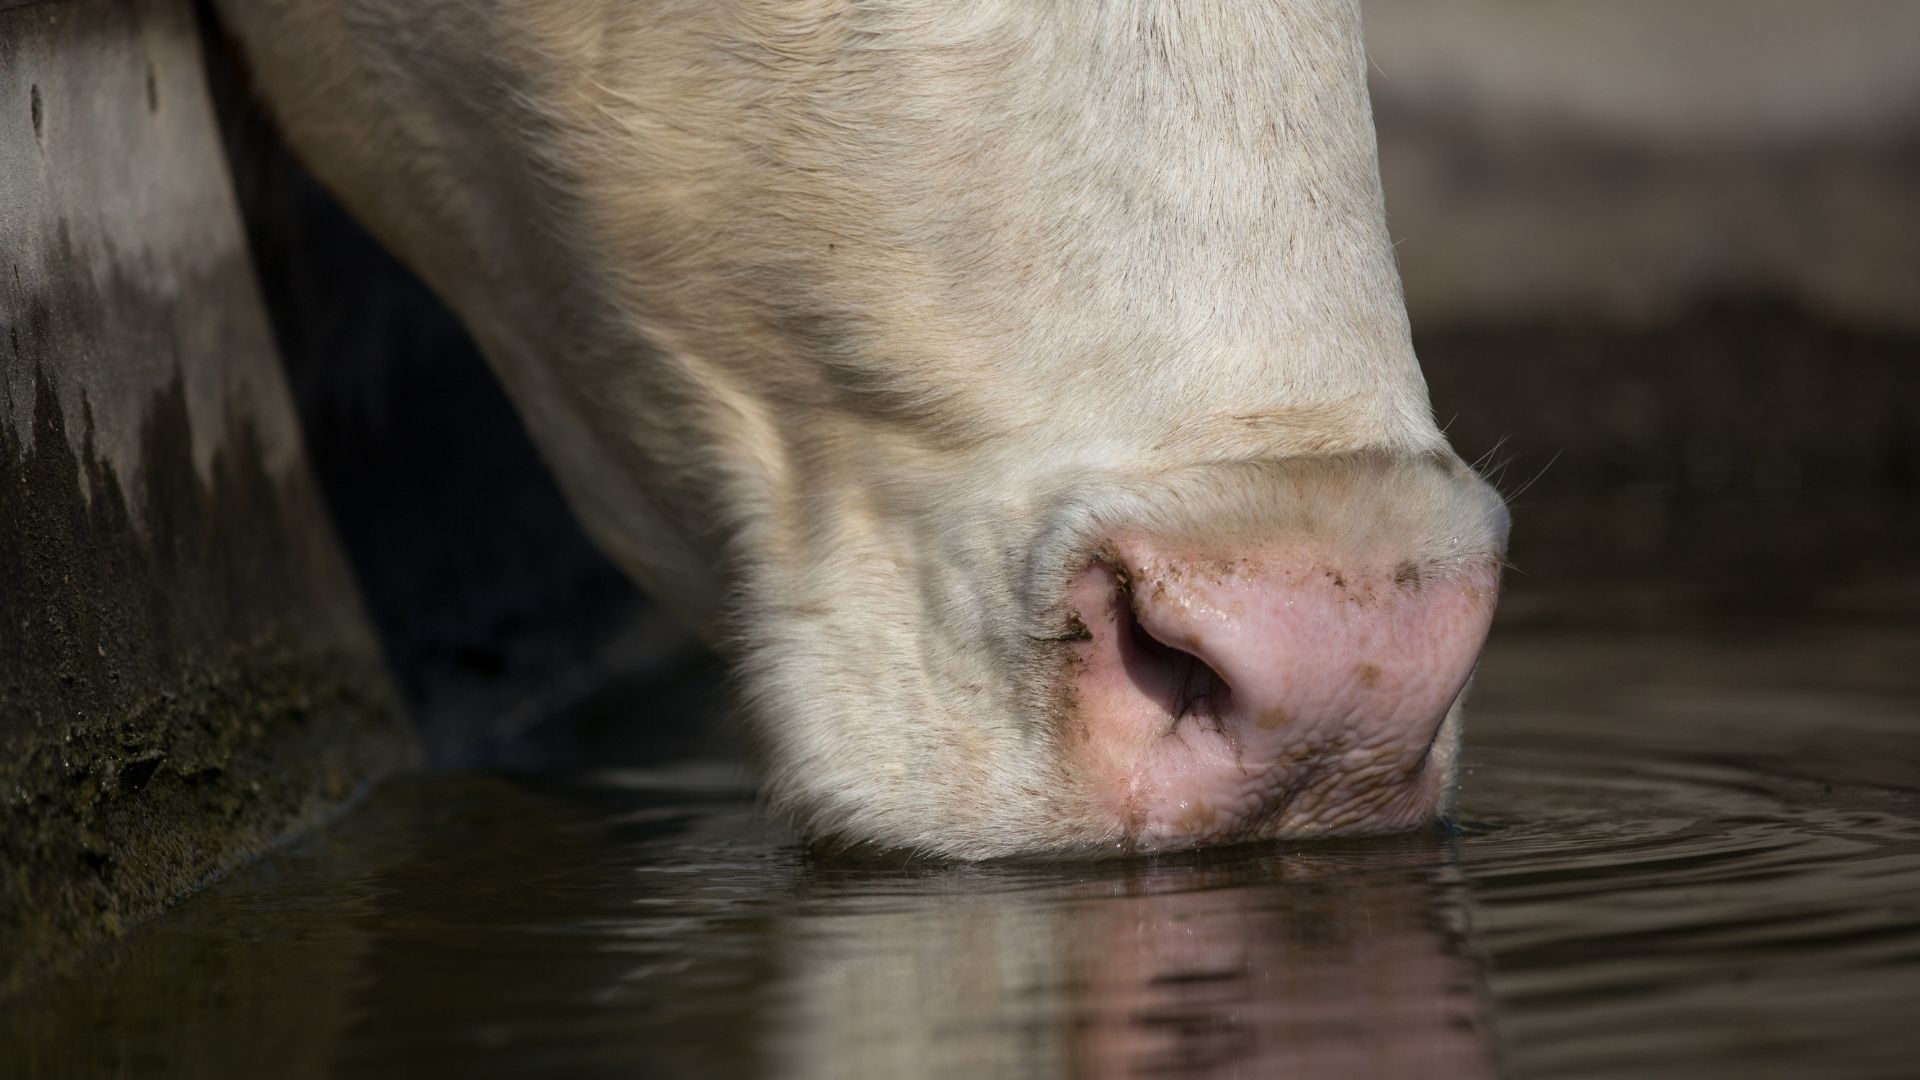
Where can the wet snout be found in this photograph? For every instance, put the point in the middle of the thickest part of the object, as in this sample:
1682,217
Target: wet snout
1286,691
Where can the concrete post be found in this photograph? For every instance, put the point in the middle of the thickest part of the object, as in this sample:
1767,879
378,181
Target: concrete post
186,669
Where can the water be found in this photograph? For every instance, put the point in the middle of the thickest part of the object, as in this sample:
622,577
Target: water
1678,855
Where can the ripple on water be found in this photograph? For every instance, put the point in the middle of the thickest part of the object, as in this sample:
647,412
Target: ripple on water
1626,896
1690,917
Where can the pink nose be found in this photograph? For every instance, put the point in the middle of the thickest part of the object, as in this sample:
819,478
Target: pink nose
1285,692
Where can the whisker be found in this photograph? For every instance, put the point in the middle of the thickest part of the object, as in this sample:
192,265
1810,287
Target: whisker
1536,476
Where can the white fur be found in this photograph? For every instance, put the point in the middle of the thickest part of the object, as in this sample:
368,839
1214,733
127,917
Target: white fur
849,324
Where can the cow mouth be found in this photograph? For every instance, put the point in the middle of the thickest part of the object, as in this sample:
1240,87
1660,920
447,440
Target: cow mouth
1200,788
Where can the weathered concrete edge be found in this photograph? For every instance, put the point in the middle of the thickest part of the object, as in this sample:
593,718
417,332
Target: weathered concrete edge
242,754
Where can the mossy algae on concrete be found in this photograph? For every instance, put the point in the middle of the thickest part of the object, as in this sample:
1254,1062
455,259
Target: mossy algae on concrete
117,816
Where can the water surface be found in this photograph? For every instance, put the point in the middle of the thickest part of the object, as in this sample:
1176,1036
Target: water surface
1677,855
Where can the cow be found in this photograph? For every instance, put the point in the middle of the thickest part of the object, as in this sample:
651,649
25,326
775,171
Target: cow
1019,393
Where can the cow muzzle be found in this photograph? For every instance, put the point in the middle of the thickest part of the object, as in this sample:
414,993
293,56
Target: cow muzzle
1282,692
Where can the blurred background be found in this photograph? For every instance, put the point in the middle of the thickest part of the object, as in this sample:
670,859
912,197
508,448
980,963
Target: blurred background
1663,265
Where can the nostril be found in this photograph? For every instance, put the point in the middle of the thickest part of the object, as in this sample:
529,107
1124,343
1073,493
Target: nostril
1175,676
1286,690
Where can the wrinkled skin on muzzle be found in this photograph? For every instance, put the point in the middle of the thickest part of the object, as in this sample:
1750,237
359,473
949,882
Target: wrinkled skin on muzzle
1019,393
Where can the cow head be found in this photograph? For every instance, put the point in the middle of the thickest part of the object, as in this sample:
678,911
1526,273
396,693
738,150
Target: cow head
1020,393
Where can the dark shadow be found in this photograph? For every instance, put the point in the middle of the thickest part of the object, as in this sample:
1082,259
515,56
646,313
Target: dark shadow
482,585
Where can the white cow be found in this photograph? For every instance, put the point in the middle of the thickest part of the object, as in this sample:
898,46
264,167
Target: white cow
1019,391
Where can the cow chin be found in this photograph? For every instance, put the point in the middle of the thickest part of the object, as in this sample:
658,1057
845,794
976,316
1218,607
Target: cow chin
1243,651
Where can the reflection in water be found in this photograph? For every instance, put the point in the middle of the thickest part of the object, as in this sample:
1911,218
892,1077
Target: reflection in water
1676,858
481,926
1248,962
